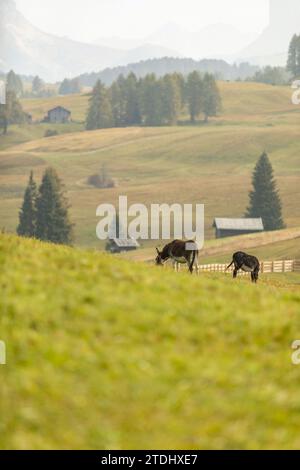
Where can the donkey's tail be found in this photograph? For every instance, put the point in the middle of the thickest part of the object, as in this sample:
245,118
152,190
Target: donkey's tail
229,266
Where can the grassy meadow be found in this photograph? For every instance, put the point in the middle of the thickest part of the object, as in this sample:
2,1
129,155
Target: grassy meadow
103,353
210,164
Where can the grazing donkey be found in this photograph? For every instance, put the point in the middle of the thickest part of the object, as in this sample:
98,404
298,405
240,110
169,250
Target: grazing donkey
246,263
180,252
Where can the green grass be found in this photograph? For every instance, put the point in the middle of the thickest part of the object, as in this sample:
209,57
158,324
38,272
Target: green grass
103,353
26,133
186,164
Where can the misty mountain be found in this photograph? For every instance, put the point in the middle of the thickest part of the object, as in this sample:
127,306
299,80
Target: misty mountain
271,46
161,67
201,44
27,50
213,41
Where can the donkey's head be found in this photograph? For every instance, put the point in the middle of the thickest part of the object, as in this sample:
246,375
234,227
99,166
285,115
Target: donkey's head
159,259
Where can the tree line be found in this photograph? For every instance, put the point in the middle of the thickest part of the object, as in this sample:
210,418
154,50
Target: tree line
153,101
169,65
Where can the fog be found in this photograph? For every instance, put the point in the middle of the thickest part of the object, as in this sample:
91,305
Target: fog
92,19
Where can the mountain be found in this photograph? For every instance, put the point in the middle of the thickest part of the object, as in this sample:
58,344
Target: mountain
271,47
200,44
160,67
214,40
27,50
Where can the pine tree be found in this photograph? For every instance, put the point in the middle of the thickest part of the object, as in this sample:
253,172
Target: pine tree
132,110
14,84
171,99
151,100
37,85
194,95
28,212
293,63
11,112
53,223
100,110
264,199
211,97
118,102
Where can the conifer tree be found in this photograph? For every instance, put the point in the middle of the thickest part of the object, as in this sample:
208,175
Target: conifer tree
100,111
171,99
28,212
132,110
14,84
211,97
194,95
53,223
118,102
293,63
264,198
151,100
37,85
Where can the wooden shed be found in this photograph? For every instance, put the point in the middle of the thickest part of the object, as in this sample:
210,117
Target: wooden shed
58,115
233,227
116,245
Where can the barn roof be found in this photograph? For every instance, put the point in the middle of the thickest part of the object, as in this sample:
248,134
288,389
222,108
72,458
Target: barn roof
239,224
126,243
59,107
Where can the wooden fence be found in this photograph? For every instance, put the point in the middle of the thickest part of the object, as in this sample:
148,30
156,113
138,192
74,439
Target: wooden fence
286,266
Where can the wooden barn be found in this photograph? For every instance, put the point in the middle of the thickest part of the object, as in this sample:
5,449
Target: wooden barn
116,245
233,227
58,115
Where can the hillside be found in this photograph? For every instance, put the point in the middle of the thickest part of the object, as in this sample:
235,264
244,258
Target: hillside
102,354
209,164
267,246
165,65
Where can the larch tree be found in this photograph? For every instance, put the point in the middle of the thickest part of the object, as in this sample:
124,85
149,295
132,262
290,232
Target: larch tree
211,97
194,95
100,114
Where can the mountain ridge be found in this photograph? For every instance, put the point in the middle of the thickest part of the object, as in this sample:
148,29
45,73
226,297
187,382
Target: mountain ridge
30,51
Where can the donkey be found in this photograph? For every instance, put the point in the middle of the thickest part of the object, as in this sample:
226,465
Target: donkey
180,252
246,263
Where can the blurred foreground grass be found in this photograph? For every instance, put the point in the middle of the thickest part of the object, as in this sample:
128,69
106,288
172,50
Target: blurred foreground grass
104,353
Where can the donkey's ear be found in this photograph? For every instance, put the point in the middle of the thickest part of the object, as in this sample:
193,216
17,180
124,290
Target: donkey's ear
158,252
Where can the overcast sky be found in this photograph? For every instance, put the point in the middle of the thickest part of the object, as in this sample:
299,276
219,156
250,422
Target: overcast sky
91,19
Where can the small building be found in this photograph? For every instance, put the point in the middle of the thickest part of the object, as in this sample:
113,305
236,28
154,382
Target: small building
117,245
233,227
58,115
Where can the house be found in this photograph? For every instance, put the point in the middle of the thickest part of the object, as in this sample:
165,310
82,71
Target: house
58,115
233,227
117,245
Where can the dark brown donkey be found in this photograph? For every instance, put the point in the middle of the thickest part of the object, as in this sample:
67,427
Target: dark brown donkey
180,252
246,263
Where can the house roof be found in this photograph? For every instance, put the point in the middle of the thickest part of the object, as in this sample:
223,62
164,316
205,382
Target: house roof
126,243
59,107
239,224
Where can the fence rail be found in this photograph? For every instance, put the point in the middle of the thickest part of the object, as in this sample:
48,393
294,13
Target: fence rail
267,267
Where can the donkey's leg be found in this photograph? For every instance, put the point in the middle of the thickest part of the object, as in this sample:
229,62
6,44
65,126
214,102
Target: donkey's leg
190,262
255,275
197,264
